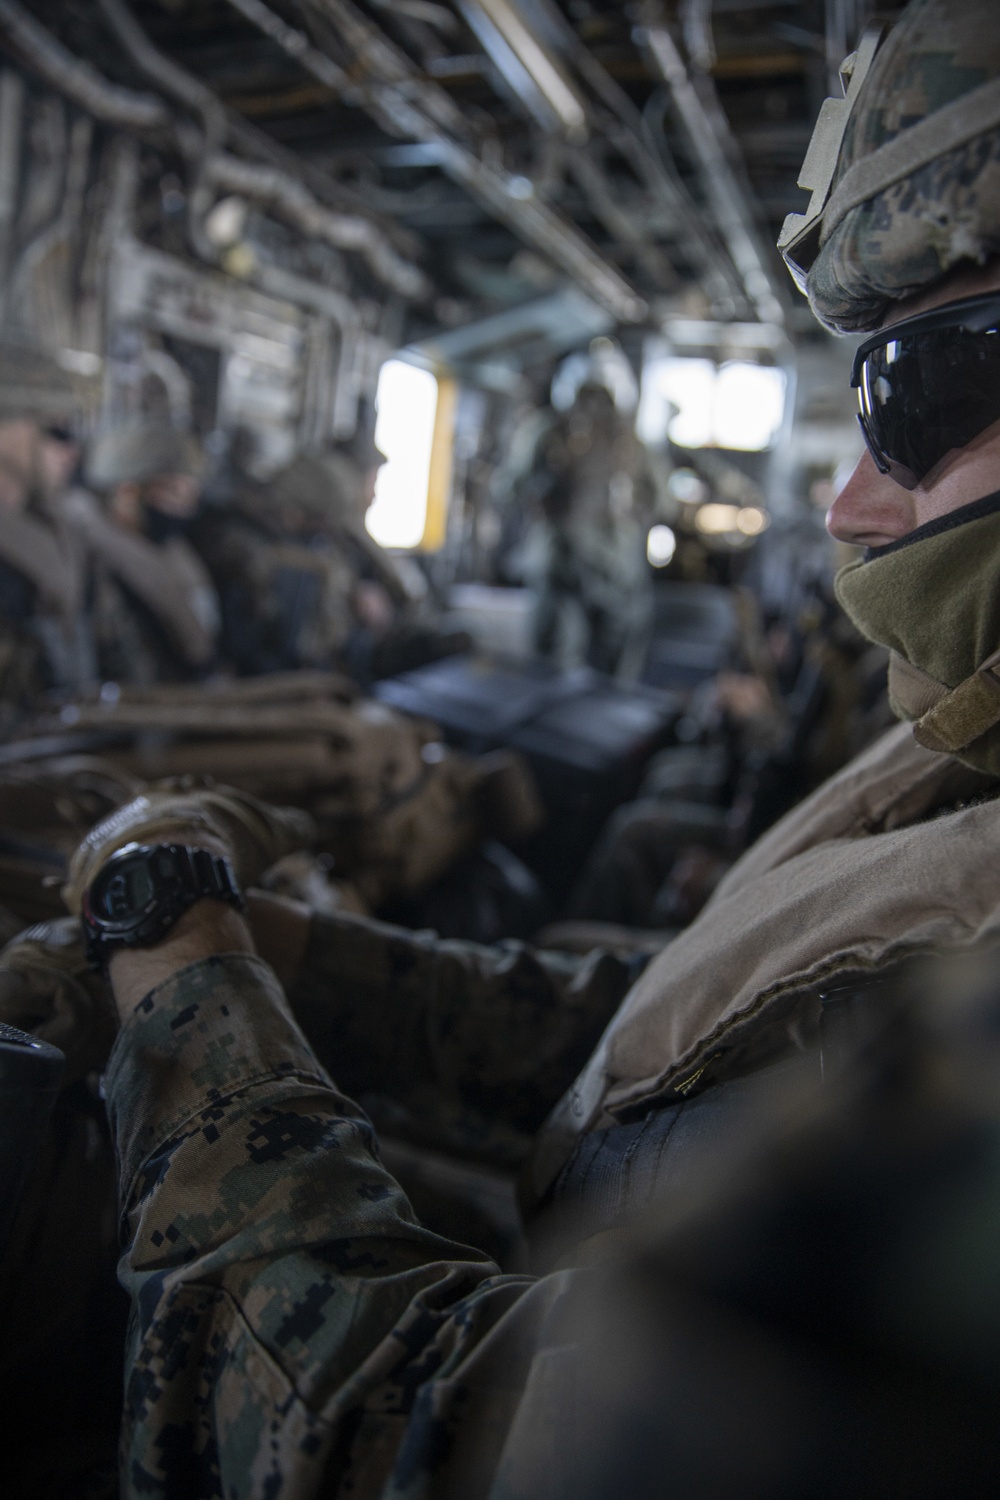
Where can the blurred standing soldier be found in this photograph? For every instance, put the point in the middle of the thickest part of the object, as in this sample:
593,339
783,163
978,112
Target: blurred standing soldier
156,616
44,640
587,559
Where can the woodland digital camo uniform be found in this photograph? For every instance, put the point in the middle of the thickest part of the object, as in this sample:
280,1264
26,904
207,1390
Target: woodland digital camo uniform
294,1330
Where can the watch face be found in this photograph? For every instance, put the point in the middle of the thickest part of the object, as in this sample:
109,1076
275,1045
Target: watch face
127,891
144,889
131,884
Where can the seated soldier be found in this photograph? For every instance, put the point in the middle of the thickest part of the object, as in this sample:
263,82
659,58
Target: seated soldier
45,639
295,1330
302,583
155,611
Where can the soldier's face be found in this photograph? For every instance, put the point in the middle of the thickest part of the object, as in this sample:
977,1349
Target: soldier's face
19,445
58,456
173,495
872,509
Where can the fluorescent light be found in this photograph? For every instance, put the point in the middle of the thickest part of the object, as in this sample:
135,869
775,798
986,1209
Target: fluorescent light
407,406
540,68
715,520
661,544
752,521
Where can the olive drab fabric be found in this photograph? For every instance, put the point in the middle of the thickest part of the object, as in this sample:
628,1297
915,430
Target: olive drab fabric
936,80
285,605
932,600
856,877
303,585
585,554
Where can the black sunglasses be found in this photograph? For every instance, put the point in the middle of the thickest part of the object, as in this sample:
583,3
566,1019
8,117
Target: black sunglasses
929,384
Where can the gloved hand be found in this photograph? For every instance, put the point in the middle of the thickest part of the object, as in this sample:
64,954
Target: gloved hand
251,833
47,988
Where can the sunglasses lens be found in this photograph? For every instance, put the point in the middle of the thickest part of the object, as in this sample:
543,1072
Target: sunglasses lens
924,394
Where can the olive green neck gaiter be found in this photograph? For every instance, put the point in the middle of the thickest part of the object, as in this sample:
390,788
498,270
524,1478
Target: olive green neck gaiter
935,603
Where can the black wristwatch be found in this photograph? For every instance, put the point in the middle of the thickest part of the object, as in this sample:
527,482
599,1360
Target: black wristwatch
144,889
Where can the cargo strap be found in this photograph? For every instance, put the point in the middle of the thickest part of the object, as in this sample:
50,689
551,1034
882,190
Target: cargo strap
964,714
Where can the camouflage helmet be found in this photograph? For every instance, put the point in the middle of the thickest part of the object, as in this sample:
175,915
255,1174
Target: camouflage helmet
33,385
323,487
139,452
905,171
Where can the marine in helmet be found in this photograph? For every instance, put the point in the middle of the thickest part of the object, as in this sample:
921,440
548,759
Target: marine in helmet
347,1346
303,584
45,642
155,610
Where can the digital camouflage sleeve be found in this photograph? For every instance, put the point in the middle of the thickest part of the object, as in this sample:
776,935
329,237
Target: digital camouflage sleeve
294,1331
464,1046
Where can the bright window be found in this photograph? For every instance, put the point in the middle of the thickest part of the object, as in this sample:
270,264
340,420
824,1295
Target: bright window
676,401
407,403
749,405
698,404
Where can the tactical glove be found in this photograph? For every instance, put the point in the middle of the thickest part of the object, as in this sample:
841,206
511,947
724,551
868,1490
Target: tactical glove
250,833
47,988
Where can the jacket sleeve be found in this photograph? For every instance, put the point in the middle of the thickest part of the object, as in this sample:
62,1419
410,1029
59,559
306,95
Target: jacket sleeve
294,1330
477,1041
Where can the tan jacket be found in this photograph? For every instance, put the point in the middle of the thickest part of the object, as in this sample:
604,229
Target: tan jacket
170,580
856,877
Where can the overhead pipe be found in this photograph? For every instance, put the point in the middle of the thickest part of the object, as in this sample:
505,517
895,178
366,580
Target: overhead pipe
104,100
190,92
598,191
512,200
269,183
11,123
296,44
711,142
409,107
625,128
344,231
